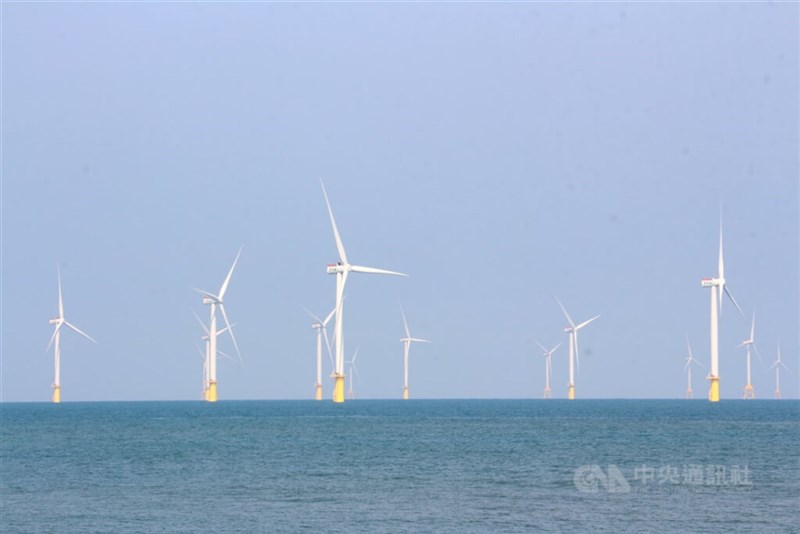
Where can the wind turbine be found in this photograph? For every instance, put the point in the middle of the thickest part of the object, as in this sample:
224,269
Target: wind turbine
572,329
341,269
750,342
206,340
59,322
319,325
406,346
718,287
353,369
217,301
548,368
688,368
777,364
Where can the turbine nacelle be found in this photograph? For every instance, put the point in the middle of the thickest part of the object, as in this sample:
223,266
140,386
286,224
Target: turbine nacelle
712,282
209,300
336,268
57,320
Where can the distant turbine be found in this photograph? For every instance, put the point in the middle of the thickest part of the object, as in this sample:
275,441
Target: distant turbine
777,364
206,338
716,294
548,368
572,329
341,270
688,368
406,346
353,370
319,325
217,301
59,322
749,393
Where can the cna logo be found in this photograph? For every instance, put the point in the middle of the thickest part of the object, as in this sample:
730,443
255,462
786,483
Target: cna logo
592,479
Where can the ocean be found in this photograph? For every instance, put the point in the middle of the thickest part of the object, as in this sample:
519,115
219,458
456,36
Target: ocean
394,466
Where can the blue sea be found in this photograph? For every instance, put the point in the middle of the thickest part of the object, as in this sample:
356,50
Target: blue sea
393,466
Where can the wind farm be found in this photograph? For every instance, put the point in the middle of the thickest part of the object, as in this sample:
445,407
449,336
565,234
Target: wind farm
777,364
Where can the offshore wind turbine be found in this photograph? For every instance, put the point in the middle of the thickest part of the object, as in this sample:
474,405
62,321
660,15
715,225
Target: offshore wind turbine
548,368
56,339
777,364
341,269
688,368
573,329
749,393
718,287
406,346
217,301
353,370
319,325
206,340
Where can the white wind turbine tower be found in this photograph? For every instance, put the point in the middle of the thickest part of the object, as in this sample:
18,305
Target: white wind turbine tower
319,325
718,287
777,364
749,393
353,370
56,339
688,368
206,341
406,346
217,301
574,357
341,270
548,368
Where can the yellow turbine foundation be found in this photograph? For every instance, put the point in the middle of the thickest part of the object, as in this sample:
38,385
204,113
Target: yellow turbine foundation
338,388
749,393
571,393
405,393
318,394
56,394
713,392
211,392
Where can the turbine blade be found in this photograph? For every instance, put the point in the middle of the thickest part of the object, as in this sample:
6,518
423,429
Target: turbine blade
84,334
206,294
339,245
757,353
730,296
563,309
202,324
753,328
405,323
721,264
540,345
373,270
226,355
236,346
550,353
58,326
224,287
312,315
586,322
419,339
60,300
577,352
330,316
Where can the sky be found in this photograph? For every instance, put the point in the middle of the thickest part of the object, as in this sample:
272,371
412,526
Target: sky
501,154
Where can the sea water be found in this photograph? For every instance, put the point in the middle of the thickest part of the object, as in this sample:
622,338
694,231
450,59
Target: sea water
394,466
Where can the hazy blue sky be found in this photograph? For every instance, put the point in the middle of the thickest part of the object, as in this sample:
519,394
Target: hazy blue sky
501,154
